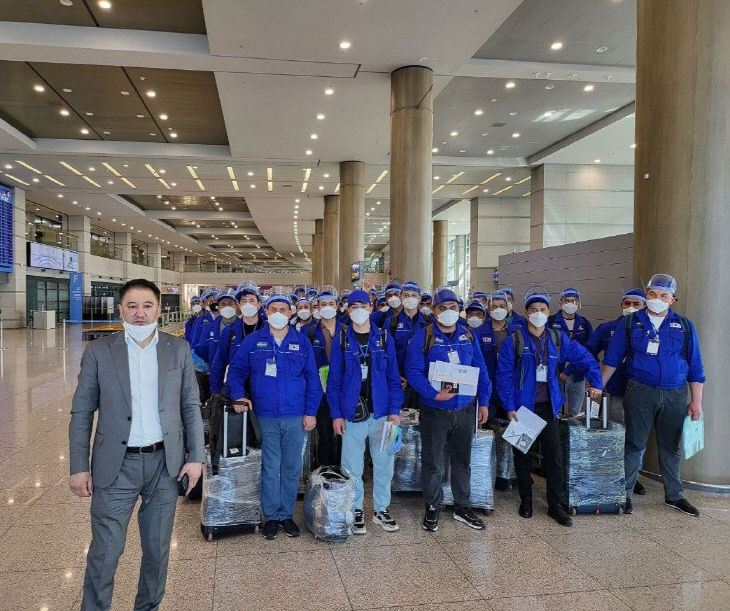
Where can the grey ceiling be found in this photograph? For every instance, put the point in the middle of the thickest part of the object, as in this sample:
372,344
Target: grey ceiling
581,25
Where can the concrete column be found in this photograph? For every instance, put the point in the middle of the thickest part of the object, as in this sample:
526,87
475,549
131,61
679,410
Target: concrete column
178,261
318,253
499,226
331,243
79,227
460,271
13,292
154,261
352,218
411,139
682,188
573,203
440,252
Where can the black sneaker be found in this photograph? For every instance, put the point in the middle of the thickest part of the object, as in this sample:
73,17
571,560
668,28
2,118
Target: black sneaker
466,515
289,527
684,506
431,519
270,529
358,528
628,507
559,514
639,488
383,519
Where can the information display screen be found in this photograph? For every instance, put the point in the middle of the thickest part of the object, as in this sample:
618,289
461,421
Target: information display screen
6,229
52,257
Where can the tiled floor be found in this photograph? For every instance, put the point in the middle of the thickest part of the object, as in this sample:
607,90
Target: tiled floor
654,559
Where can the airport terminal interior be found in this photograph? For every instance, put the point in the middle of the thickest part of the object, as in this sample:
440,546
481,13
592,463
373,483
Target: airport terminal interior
315,147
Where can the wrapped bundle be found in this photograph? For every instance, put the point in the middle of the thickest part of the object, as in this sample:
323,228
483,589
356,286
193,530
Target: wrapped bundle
407,466
306,461
505,457
232,497
329,505
483,473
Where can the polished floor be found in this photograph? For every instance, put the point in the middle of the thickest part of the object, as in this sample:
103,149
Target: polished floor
654,559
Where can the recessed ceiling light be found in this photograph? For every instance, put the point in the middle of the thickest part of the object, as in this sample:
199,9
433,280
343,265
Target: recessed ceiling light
321,187
326,175
297,200
596,161
67,90
589,88
36,180
151,93
510,85
434,150
89,114
109,134
462,150
329,91
508,179
92,169
478,112
39,88
454,134
485,190
512,114
633,146
436,177
105,4
60,196
377,203
84,131
345,44
516,135
153,134
307,152
174,184
601,49
173,134
556,46
140,116
549,87
253,186
66,2
64,112
124,92
320,117
313,136
163,117
173,208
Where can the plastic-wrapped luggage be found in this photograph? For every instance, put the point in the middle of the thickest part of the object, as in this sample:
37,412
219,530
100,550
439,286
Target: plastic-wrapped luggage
329,505
483,473
506,476
231,502
306,462
593,463
407,465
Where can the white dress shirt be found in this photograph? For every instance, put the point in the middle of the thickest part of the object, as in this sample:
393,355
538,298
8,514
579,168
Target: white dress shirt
146,428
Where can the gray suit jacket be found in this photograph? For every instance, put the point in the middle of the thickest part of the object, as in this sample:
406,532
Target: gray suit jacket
104,386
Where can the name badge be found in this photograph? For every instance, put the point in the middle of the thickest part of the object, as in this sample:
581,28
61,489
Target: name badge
294,347
454,357
652,347
270,368
541,373
363,372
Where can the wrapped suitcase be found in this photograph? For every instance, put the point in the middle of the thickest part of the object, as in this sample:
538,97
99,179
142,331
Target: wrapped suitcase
231,502
593,462
329,505
307,452
506,476
483,473
407,464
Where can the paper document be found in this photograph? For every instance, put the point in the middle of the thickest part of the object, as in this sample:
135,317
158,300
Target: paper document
391,438
693,436
521,433
457,379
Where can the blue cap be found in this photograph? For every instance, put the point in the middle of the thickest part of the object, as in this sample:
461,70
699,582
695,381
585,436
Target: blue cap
311,291
195,299
381,299
638,293
411,286
227,295
374,291
476,305
508,291
302,300
425,297
498,295
326,295
358,296
393,287
662,282
278,297
210,293
248,290
478,295
537,297
570,293
444,294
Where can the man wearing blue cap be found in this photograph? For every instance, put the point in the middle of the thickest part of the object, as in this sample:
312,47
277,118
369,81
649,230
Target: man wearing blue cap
207,345
662,353
577,328
364,392
196,305
426,303
447,419
285,394
527,375
513,317
393,299
201,323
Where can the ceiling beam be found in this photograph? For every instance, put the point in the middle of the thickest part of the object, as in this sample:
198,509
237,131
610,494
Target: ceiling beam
219,231
197,215
502,68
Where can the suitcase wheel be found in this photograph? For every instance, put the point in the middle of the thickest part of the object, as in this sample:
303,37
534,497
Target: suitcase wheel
209,537
574,511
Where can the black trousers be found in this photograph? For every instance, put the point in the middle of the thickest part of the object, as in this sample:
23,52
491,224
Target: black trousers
441,428
329,445
552,459
203,386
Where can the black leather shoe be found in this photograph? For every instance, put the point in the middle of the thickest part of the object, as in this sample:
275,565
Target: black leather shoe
558,514
684,506
628,507
526,508
289,527
639,488
270,529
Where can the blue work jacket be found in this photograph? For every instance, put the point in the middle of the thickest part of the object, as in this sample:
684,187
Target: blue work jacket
516,383
670,368
313,332
231,338
488,344
517,319
201,324
417,365
598,342
208,344
582,330
404,330
344,380
295,391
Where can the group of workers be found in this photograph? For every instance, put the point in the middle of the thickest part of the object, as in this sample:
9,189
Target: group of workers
346,364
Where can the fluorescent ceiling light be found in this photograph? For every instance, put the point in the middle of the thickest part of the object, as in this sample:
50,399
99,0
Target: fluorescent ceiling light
27,165
454,177
503,190
110,168
91,181
492,177
53,180
129,182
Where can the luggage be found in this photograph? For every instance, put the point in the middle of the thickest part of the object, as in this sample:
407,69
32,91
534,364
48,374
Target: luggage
217,408
307,452
231,501
329,505
506,476
593,462
483,472
407,464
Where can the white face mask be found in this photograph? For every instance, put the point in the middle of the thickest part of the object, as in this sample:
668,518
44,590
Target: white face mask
228,312
570,308
426,311
278,320
343,308
249,309
139,333
448,318
384,308
359,316
657,306
498,314
628,311
316,315
474,322
410,303
538,319
197,308
328,312
394,302
304,314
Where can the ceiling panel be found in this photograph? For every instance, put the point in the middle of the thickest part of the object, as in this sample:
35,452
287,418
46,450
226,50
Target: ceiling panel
188,202
160,15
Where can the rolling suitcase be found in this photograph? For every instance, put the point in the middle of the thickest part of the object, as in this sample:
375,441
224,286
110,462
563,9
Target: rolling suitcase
231,502
307,452
593,462
506,476
407,464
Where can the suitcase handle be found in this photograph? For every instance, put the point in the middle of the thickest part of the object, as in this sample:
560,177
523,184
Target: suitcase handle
226,409
604,410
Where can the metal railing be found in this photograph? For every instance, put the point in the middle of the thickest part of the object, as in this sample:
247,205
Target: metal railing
167,263
174,317
141,258
106,250
51,237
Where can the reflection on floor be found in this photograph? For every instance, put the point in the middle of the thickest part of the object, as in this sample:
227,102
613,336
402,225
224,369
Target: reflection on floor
654,559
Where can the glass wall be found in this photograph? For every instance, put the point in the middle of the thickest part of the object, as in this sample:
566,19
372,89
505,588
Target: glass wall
47,226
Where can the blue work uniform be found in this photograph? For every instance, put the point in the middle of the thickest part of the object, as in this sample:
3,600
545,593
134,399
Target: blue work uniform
208,344
517,319
582,331
469,353
201,325
402,331
598,342
516,379
231,338
189,328
490,351
313,332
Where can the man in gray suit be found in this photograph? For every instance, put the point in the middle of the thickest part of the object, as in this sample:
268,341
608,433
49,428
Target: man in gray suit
142,385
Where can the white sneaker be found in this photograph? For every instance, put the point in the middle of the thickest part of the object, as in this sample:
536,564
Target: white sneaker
383,519
358,528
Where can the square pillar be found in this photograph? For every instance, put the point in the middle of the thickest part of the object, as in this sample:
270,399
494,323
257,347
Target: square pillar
12,292
79,226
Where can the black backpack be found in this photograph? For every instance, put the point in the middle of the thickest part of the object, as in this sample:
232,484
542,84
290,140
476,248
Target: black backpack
519,342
